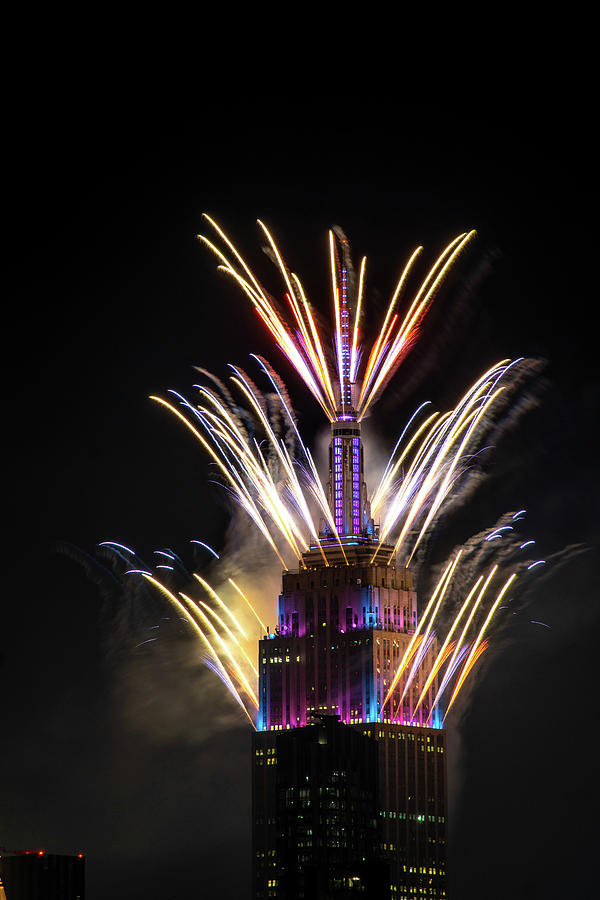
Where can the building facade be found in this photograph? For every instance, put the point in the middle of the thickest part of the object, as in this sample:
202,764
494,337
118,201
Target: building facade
316,830
36,875
347,617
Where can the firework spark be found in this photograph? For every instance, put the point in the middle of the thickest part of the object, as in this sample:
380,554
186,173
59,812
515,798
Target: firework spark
335,382
253,441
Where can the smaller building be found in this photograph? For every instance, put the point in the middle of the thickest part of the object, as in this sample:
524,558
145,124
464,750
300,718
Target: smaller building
36,875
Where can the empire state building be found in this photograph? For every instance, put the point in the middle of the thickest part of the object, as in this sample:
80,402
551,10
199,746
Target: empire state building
349,782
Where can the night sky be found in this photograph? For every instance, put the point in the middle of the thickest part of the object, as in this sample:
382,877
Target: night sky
131,753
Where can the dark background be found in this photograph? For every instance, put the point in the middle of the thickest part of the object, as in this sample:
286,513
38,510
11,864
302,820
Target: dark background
129,752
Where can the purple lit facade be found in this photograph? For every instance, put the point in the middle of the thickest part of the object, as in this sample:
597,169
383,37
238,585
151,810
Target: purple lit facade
346,488
341,634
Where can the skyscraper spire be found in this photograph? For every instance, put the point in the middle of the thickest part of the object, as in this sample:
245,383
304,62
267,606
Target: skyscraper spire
347,490
345,387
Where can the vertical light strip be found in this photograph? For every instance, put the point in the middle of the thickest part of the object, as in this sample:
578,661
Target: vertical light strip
345,387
